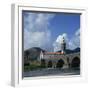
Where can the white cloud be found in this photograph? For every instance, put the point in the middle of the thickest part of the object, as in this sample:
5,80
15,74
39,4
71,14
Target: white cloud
77,33
71,43
75,41
57,43
36,30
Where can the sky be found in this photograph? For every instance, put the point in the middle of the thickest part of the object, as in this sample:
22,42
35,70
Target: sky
46,30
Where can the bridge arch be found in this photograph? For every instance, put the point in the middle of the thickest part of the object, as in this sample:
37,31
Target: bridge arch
60,63
75,62
50,64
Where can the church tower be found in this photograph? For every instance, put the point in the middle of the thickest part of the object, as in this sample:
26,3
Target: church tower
63,45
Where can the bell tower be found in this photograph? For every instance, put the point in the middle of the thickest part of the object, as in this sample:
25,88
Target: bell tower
63,45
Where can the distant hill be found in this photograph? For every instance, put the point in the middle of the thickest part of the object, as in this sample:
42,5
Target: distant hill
77,50
33,53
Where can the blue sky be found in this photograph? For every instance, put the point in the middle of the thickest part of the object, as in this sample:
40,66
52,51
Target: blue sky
65,23
45,30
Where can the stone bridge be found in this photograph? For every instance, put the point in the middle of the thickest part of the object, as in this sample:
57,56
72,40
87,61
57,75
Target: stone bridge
67,60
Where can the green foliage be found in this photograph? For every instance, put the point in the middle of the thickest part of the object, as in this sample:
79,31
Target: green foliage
26,68
43,64
34,65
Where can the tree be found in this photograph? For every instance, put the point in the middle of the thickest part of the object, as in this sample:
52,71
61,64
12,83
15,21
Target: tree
43,64
26,54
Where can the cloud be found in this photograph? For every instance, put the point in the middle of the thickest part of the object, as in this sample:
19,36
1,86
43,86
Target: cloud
71,43
36,30
75,41
57,43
